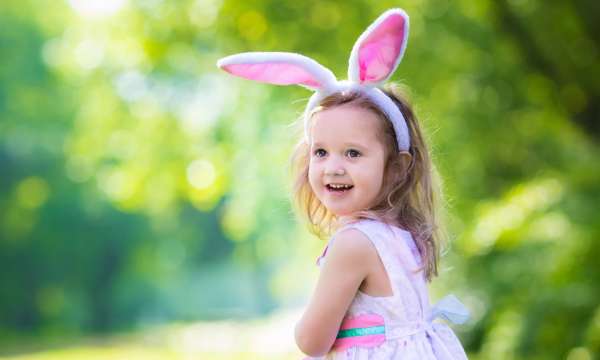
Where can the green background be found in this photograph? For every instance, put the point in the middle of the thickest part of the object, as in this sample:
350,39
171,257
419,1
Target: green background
145,194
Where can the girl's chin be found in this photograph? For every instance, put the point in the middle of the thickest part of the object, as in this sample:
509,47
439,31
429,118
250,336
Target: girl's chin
340,213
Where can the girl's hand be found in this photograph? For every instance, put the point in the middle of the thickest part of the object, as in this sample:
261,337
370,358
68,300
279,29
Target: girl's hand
349,260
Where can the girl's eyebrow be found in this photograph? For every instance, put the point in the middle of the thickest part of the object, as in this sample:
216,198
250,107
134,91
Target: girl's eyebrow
346,144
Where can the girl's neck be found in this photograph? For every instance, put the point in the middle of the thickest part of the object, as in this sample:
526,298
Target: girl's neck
344,220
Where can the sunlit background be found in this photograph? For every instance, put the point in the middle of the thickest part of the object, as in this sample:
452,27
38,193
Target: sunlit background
145,195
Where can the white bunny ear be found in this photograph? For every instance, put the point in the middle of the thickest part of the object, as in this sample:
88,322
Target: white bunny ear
279,68
378,51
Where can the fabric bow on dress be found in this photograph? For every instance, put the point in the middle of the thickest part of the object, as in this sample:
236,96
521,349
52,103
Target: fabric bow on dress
370,330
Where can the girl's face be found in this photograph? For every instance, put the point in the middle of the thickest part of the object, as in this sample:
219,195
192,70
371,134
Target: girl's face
345,151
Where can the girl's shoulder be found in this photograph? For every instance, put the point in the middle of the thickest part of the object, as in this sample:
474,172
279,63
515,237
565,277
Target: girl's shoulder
385,235
380,234
353,237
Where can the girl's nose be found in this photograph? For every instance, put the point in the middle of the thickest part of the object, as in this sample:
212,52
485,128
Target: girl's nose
339,171
334,168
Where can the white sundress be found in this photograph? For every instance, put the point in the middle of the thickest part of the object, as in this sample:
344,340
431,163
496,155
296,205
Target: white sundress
400,326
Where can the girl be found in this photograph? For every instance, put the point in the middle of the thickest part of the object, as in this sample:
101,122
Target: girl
364,176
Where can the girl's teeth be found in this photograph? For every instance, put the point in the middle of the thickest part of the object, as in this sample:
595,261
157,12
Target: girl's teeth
339,187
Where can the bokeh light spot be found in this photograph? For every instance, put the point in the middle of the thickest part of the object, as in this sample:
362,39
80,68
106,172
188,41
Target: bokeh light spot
96,8
32,192
201,174
252,25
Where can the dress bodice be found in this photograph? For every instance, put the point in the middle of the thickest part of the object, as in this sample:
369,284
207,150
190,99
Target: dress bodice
403,322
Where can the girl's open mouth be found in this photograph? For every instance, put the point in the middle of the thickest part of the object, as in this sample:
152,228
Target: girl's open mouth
338,188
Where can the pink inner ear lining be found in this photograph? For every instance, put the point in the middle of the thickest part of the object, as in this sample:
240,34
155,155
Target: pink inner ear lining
380,50
273,73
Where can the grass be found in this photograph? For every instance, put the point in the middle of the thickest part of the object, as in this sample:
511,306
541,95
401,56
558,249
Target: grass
265,338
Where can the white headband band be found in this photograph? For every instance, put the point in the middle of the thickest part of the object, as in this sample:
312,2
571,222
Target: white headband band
374,58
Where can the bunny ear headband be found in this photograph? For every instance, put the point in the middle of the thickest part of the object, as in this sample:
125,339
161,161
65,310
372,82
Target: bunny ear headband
374,58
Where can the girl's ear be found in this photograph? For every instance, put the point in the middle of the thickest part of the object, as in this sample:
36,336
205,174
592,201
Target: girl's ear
378,51
399,165
279,68
405,159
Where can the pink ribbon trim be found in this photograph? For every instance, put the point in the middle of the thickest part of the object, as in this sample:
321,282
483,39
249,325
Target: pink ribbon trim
361,321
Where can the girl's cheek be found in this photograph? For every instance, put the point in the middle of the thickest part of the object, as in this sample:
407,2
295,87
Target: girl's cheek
312,175
313,167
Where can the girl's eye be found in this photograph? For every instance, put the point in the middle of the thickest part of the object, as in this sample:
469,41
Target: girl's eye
353,153
318,152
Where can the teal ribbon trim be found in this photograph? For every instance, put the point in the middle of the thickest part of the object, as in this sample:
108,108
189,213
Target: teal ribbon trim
374,330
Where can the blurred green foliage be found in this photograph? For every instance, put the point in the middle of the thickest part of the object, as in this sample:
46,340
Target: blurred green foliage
140,185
